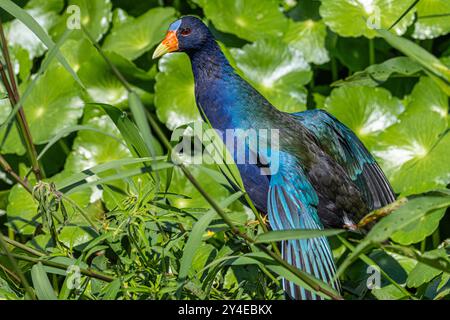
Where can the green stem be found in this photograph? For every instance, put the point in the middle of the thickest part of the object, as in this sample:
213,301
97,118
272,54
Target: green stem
369,261
371,51
87,272
7,168
13,95
23,247
15,266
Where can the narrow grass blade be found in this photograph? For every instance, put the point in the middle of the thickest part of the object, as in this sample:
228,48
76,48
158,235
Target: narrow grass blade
65,132
196,235
280,235
429,62
44,289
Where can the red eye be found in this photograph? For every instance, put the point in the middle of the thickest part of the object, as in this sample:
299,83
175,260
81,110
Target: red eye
185,32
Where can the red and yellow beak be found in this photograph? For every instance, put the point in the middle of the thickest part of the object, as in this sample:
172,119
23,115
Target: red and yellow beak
169,44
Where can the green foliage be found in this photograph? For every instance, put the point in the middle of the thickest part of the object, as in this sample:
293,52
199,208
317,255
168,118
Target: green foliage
114,214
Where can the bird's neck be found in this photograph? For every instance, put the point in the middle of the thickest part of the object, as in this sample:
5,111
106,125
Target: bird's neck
209,63
223,97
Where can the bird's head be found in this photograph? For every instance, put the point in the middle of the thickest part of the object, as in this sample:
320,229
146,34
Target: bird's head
184,35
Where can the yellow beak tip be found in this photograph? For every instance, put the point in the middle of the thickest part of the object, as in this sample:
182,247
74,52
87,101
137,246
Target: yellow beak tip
160,51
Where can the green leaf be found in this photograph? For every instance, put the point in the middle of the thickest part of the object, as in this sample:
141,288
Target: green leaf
277,71
136,36
112,290
91,149
409,213
50,109
36,28
377,74
423,273
309,38
298,234
351,18
389,292
95,16
46,14
22,211
196,235
248,19
44,290
130,132
139,115
174,92
433,19
414,152
439,71
416,232
366,111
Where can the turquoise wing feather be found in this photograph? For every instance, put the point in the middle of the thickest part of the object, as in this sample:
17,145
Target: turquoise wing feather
292,204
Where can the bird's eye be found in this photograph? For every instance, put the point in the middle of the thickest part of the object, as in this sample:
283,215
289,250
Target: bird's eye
185,32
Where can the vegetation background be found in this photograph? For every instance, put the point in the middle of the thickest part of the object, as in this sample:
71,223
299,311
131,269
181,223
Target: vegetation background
91,206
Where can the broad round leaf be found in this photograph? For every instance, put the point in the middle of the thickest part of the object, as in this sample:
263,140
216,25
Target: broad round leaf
366,111
414,153
354,18
277,71
309,38
136,36
416,232
53,105
91,148
94,15
174,91
433,19
248,19
45,12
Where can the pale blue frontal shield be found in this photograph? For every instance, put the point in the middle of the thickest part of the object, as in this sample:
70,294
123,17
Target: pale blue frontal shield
174,26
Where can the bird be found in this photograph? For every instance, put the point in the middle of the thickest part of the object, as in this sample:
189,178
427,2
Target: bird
324,178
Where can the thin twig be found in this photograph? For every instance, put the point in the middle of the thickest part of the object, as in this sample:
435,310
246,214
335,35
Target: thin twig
87,272
23,247
382,212
7,168
14,97
19,272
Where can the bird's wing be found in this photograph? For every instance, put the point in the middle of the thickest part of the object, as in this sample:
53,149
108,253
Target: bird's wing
292,204
346,149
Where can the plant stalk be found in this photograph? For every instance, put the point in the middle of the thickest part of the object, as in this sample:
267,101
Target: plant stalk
14,97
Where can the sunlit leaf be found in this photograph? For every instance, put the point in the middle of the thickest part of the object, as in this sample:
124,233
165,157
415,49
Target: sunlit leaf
433,19
45,12
309,37
423,273
414,152
409,213
416,232
136,36
379,73
95,16
367,111
174,91
277,71
248,19
353,18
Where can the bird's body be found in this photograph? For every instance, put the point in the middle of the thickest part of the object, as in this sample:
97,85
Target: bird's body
325,177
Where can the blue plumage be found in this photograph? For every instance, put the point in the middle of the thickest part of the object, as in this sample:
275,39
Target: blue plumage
326,177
